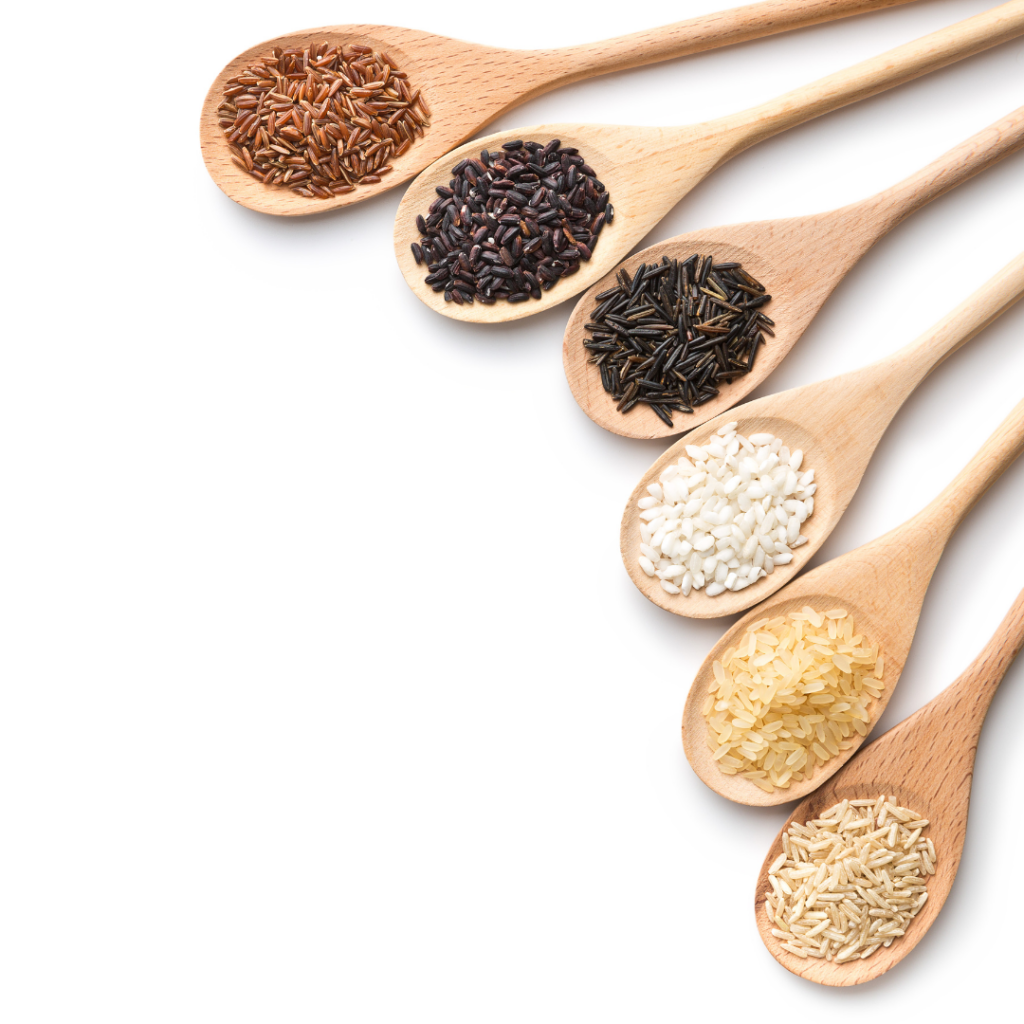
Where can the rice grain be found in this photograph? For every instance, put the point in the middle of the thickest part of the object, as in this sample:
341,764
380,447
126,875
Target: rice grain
794,692
833,897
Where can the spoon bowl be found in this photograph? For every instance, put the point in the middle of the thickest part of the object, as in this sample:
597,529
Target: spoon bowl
648,170
882,585
468,85
800,260
832,474
941,830
925,763
419,54
791,307
873,621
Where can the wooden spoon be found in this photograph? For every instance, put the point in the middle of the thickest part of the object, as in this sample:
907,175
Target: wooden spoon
882,585
648,170
800,260
467,85
927,763
837,423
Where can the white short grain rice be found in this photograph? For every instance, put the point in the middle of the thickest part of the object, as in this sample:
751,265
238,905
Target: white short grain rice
728,512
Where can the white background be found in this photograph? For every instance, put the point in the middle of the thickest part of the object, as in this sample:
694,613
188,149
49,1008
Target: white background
325,696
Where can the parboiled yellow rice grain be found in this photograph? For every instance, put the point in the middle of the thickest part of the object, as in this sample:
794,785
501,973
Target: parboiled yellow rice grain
791,695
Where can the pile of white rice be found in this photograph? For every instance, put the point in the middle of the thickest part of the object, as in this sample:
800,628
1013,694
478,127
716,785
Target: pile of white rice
849,881
790,696
726,514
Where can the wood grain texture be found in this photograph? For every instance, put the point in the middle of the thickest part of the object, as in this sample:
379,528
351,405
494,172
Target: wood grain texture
882,585
468,85
837,423
800,260
927,763
648,170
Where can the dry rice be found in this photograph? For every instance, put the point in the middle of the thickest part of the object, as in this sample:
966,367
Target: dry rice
850,881
790,696
321,119
726,514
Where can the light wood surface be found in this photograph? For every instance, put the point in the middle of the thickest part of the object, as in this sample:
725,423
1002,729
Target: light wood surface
800,260
648,170
927,763
882,585
468,85
837,423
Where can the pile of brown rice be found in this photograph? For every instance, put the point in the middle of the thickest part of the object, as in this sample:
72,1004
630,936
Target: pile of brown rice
790,696
849,881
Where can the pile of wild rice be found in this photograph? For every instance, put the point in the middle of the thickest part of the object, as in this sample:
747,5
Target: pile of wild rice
790,696
725,519
512,223
322,119
849,881
673,332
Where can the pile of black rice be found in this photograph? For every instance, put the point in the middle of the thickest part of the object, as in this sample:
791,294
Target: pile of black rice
510,224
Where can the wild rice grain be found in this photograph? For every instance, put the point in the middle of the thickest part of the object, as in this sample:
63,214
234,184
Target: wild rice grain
672,333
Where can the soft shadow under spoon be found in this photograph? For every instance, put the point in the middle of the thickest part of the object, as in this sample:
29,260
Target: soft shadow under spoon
927,763
468,85
648,170
837,423
882,585
800,261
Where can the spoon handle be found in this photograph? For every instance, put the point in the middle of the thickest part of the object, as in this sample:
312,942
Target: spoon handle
936,745
884,386
927,532
721,28
911,364
902,64
879,214
967,699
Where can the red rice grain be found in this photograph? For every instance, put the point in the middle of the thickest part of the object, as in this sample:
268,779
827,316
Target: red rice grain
321,120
